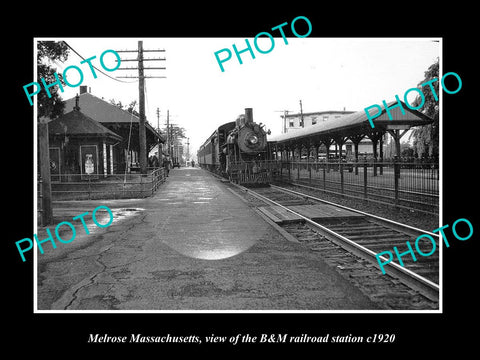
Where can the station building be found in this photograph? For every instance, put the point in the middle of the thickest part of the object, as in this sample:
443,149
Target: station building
97,138
80,147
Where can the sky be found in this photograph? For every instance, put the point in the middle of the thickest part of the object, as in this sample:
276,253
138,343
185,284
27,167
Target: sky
325,73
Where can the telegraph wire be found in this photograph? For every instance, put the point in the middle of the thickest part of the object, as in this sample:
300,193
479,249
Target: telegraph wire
127,82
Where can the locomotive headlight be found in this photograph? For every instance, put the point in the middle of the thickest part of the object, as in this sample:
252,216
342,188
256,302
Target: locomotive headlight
253,139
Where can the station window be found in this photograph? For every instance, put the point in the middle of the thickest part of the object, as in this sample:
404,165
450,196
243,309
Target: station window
291,123
314,120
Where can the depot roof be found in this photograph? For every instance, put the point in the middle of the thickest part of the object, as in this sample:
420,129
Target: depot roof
357,124
77,123
105,112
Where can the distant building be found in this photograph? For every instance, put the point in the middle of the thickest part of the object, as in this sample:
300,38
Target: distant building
293,122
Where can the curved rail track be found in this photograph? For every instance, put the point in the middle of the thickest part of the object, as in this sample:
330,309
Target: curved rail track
350,239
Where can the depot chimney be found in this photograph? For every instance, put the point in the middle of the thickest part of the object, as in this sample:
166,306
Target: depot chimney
76,107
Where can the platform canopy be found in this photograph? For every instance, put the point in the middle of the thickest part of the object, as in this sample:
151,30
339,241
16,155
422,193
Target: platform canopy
355,124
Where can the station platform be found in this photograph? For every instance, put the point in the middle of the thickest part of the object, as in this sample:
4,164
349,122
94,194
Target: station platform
193,245
314,212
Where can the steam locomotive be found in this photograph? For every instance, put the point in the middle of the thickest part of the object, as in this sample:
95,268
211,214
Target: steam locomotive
239,151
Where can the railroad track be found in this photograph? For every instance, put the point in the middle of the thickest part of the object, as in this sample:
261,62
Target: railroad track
349,240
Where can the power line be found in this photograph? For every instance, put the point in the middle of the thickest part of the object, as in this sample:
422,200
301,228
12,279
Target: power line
127,82
141,99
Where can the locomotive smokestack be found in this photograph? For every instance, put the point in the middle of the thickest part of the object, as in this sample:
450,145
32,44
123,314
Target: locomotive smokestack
248,115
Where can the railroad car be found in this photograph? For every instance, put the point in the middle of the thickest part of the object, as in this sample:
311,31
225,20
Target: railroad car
239,151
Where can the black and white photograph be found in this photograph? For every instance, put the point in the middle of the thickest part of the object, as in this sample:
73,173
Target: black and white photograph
266,186
269,191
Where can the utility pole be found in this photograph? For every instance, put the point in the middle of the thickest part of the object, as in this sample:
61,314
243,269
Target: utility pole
285,113
172,139
301,114
141,121
158,130
168,135
141,97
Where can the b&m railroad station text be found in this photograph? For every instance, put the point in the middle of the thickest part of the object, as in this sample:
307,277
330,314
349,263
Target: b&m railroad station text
241,338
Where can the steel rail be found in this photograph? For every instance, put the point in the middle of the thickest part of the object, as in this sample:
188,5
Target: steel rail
413,280
395,224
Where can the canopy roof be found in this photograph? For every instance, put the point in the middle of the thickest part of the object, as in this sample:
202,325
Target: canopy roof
357,124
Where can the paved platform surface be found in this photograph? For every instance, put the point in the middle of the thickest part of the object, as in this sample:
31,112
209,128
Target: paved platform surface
192,246
280,215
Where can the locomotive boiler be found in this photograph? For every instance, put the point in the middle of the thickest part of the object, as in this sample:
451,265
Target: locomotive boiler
239,151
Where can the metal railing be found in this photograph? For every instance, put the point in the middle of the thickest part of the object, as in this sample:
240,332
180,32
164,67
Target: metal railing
111,186
399,183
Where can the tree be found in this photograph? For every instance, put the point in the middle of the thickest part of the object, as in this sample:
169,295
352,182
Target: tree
51,107
426,138
130,108
177,132
48,53
117,104
407,152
